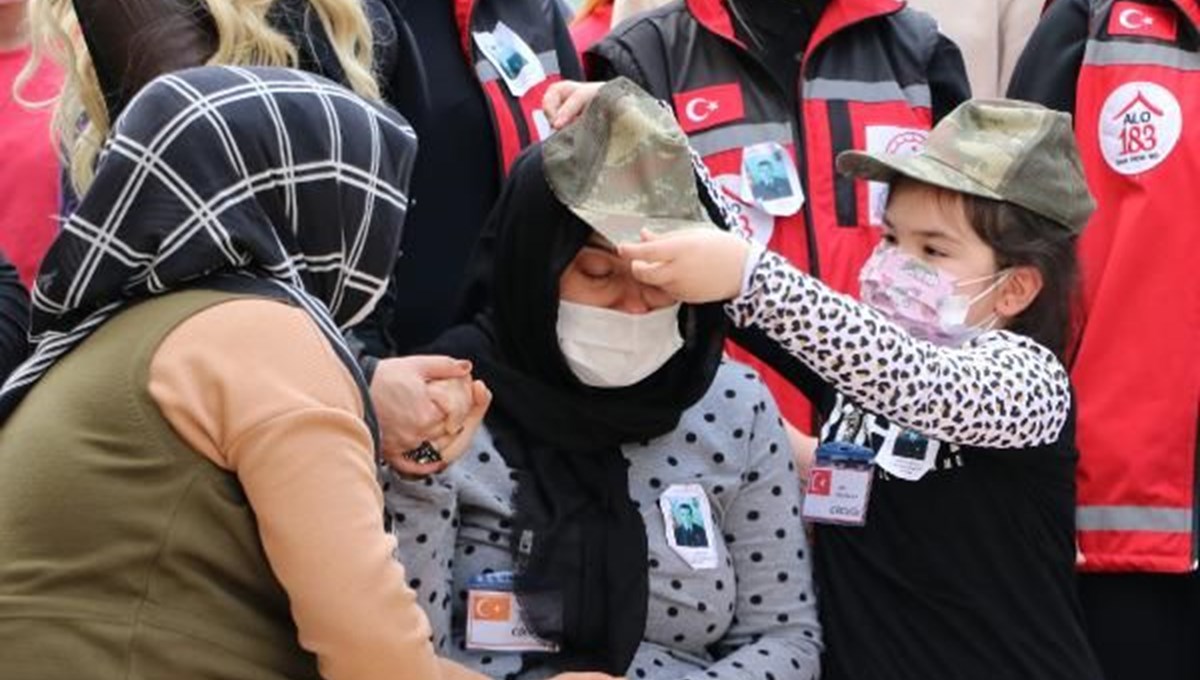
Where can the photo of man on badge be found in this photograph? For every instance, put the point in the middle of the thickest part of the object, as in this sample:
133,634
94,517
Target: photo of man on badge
511,60
769,184
689,527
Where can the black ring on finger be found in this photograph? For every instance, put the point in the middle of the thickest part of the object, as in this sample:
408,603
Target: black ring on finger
424,454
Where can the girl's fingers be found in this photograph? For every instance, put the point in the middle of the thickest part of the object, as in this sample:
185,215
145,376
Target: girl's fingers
649,251
658,274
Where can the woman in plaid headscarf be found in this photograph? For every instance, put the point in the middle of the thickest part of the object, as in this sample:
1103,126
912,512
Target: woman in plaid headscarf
187,468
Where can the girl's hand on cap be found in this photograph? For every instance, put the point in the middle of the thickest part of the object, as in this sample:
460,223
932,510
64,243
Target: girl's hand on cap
694,265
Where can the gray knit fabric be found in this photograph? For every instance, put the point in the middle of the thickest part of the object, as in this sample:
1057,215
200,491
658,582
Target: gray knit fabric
752,617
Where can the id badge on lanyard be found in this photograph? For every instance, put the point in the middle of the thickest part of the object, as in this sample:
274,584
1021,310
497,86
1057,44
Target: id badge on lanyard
839,485
494,621
513,58
770,180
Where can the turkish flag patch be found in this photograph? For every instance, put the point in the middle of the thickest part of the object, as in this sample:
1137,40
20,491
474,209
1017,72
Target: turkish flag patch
820,482
709,106
1143,21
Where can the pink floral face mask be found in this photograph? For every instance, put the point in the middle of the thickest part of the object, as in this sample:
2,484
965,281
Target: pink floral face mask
921,298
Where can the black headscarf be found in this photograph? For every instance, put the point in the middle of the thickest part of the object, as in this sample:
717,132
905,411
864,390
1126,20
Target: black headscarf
578,540
265,180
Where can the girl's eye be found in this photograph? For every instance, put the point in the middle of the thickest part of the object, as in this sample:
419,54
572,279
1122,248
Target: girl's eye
889,238
934,252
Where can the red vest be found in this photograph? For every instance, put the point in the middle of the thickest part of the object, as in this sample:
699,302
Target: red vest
863,85
517,120
1137,364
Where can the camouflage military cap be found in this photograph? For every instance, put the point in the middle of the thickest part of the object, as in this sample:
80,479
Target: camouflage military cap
1011,151
625,165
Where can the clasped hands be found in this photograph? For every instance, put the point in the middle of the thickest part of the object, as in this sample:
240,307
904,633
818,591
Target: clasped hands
426,399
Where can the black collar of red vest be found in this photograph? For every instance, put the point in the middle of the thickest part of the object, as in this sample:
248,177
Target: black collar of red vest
839,14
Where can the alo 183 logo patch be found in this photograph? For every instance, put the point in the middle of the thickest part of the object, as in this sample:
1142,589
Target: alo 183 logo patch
1140,125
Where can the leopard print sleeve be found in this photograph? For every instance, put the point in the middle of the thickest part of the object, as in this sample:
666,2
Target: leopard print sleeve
1001,390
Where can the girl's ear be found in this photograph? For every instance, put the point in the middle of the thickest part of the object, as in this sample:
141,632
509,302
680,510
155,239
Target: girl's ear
1019,291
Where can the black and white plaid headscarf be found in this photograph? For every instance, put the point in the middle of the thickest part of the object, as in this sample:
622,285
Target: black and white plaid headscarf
270,177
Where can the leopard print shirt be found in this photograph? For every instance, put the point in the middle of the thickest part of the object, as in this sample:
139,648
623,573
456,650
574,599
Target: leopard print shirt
1000,390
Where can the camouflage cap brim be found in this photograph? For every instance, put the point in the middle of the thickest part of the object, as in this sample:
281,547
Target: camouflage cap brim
624,165
621,228
922,168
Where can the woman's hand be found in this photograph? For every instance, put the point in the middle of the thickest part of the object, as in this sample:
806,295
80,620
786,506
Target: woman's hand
426,399
694,265
566,100
455,398
460,425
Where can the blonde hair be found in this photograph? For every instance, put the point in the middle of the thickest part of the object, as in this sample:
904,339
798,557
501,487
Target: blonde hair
244,37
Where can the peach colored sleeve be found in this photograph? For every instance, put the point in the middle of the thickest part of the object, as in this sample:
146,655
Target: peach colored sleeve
254,386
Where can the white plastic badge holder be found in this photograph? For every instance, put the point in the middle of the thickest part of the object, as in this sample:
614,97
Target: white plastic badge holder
769,176
839,485
688,523
514,60
494,620
907,455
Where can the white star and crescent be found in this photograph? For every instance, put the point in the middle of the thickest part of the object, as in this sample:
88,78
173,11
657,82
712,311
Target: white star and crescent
1134,19
697,116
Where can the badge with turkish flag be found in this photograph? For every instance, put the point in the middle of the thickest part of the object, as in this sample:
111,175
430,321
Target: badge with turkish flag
494,619
1143,21
709,106
839,484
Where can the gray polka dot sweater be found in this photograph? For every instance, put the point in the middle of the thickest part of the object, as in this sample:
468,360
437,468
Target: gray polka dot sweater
753,617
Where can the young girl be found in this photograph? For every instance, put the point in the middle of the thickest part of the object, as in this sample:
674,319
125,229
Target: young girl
943,491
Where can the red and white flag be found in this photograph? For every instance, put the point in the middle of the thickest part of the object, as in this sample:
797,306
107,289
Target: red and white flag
709,106
1146,21
820,482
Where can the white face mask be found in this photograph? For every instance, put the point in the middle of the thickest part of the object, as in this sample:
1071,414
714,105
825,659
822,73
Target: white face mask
607,348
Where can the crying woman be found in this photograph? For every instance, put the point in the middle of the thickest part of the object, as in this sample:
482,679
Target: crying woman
630,507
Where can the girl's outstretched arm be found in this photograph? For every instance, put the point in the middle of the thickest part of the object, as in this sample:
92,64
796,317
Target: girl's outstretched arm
1001,390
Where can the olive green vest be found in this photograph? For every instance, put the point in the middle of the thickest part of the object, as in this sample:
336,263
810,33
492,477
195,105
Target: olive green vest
124,553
